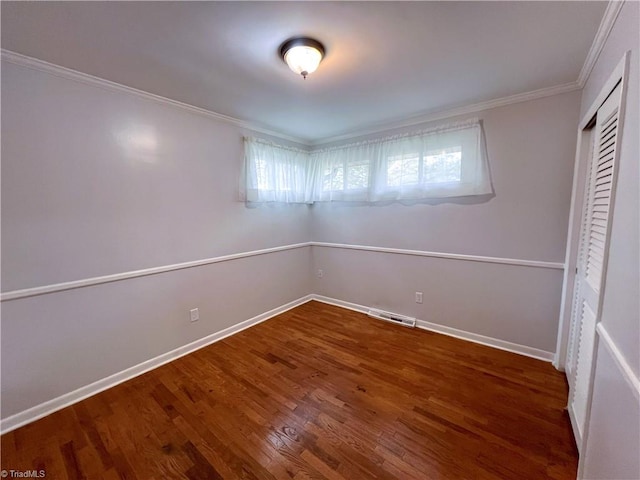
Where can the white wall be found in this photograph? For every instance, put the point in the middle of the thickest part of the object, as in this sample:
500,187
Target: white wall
531,149
86,192
505,302
614,425
97,182
613,439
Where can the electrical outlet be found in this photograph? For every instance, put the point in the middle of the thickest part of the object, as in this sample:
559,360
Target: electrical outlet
320,273
195,314
418,297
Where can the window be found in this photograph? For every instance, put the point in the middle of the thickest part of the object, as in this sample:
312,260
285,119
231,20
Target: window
442,166
277,176
448,161
273,173
343,180
403,169
333,178
357,176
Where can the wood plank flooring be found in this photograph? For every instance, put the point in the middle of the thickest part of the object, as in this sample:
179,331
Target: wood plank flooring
318,392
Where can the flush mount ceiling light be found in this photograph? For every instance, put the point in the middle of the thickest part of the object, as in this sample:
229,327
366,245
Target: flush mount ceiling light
302,54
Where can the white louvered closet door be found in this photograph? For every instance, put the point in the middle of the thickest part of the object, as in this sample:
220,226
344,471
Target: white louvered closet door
592,255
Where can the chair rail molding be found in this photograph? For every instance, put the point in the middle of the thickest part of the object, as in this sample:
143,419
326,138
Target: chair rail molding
87,282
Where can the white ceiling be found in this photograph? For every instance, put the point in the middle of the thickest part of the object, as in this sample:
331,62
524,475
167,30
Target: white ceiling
385,60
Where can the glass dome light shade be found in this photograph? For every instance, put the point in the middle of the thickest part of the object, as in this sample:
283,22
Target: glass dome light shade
303,60
302,55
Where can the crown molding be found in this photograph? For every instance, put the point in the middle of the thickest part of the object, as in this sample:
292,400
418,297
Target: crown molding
70,74
606,24
451,112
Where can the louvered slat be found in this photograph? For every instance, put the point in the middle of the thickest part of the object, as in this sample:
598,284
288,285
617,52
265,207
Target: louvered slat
606,152
607,142
607,125
608,163
596,240
603,209
601,194
599,200
602,186
604,171
595,253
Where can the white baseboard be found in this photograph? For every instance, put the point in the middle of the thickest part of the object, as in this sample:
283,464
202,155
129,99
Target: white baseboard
556,363
340,303
488,341
35,413
453,332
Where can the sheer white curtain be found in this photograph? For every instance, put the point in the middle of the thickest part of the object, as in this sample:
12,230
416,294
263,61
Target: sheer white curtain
273,173
447,161
343,173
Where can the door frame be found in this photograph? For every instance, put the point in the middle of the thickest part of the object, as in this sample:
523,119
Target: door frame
582,159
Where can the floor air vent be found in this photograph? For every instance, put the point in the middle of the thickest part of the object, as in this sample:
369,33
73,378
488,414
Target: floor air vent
393,317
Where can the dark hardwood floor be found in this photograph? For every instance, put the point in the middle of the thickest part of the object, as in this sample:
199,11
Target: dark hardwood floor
317,392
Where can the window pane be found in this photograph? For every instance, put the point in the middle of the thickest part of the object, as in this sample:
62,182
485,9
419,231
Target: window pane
333,178
285,176
261,174
403,169
358,176
443,166
276,175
